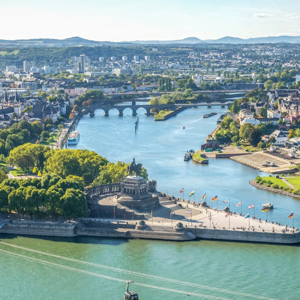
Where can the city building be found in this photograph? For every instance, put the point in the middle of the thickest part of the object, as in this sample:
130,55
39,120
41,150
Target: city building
101,59
11,69
124,58
122,71
136,58
27,65
113,58
147,58
81,64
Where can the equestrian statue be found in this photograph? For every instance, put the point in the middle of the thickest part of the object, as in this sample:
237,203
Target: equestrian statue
134,168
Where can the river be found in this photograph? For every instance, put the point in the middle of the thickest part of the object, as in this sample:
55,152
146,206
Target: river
244,270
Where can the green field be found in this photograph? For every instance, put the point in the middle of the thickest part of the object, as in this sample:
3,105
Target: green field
295,181
276,181
3,53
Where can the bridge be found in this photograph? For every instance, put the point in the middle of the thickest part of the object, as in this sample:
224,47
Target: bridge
145,94
106,108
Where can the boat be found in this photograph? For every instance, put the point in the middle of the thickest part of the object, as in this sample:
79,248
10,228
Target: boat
187,156
73,138
210,115
268,206
183,127
129,295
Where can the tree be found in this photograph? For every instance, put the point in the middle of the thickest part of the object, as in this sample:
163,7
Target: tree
291,133
3,176
14,115
268,84
263,112
45,135
245,130
48,121
75,107
202,85
234,107
16,200
73,203
254,137
37,128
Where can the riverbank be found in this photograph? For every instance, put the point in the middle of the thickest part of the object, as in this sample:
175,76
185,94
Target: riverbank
200,158
270,189
187,221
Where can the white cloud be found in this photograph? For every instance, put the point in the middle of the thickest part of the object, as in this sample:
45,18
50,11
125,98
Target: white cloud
291,17
263,15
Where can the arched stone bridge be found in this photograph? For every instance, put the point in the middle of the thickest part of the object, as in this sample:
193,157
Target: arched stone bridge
106,108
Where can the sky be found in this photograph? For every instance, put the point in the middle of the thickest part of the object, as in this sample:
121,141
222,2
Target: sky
130,20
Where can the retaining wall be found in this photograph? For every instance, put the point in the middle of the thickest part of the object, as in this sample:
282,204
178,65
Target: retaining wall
40,229
246,236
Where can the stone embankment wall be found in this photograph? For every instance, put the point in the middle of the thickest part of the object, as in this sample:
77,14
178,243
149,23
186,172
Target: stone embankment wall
262,187
39,229
246,236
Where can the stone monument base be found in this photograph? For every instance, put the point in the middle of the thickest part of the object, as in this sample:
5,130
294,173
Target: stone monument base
135,194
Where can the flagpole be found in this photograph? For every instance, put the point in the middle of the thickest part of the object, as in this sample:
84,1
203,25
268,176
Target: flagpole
242,208
217,204
191,216
249,220
293,220
229,213
194,197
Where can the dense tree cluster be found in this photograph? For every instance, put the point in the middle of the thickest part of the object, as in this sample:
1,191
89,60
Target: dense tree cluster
112,173
18,134
49,196
229,132
89,96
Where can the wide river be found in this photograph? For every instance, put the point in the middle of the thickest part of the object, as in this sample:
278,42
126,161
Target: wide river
210,269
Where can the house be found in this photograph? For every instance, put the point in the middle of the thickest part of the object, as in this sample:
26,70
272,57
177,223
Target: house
245,113
280,136
273,114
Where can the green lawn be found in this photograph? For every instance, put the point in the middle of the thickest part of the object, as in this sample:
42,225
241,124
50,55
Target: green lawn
197,156
3,53
17,172
162,114
295,181
276,181
51,140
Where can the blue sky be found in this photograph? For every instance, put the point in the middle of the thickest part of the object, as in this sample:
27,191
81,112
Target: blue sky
126,20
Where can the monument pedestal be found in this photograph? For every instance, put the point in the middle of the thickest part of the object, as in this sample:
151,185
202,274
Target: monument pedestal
135,194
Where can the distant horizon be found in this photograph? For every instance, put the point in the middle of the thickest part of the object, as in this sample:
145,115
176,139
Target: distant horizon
147,20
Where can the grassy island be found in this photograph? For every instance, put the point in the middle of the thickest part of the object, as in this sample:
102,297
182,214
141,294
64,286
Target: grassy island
160,116
200,158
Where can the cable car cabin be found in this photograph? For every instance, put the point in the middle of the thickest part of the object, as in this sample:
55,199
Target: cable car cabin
131,296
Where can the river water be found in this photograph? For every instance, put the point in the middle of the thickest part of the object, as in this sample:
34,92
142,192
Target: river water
244,270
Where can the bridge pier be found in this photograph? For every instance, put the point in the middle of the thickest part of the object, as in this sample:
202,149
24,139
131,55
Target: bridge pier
92,114
106,114
134,113
120,114
222,106
208,106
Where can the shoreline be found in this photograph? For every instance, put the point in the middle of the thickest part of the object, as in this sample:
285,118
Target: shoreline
278,191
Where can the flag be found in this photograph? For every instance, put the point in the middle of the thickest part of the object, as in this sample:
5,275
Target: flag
291,216
247,216
225,201
204,196
192,193
151,213
188,211
214,198
264,209
227,214
171,215
239,204
182,191
251,206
